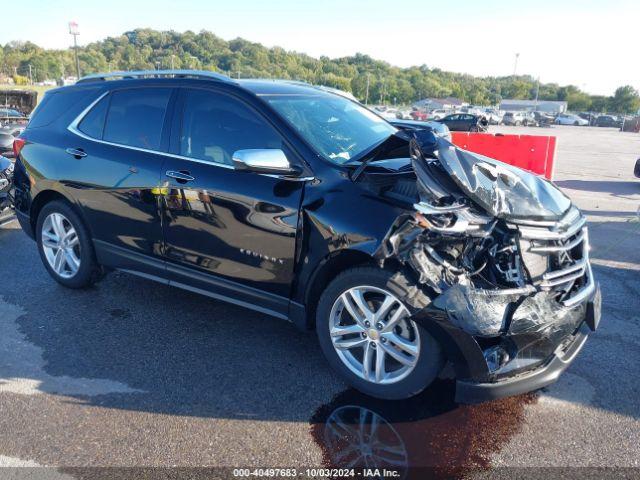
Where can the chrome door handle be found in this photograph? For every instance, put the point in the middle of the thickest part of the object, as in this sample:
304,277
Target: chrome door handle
181,177
76,152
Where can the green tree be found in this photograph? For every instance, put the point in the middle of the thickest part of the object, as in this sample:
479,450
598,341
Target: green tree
625,100
145,48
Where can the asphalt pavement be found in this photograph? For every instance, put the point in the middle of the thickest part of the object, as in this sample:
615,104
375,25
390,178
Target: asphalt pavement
131,373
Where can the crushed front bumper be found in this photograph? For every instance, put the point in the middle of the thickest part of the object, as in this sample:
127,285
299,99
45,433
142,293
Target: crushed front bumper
469,391
472,392
476,383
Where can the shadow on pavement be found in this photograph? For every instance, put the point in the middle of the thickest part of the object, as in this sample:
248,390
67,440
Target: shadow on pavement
616,188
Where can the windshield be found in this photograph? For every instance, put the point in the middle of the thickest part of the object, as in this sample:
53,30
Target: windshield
340,130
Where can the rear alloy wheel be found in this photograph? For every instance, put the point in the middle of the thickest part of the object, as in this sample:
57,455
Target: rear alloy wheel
61,245
65,246
368,336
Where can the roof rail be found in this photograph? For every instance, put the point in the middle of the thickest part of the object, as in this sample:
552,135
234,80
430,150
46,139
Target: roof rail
100,77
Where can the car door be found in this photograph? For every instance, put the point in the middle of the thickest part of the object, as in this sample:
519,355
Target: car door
227,232
452,121
466,122
118,150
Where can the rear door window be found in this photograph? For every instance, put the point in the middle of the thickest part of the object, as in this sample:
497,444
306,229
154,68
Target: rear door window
136,117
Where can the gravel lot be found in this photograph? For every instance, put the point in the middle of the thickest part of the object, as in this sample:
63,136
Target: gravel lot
132,373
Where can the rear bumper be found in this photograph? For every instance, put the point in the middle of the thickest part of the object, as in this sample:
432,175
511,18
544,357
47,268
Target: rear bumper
471,392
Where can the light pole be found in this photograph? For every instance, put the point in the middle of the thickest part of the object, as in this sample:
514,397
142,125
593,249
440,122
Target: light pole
366,98
172,57
73,30
515,65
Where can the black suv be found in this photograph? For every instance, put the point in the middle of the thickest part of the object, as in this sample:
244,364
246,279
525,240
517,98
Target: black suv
404,252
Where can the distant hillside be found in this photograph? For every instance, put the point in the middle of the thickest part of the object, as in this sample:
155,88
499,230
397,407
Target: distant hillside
149,49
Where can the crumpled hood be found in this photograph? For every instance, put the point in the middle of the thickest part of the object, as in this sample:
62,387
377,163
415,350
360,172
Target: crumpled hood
503,190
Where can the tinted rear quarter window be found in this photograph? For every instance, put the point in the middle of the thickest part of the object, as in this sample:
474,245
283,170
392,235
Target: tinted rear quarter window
93,122
136,117
55,105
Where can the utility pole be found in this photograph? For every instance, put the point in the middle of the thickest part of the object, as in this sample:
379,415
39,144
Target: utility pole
537,92
73,30
515,65
366,98
30,75
172,57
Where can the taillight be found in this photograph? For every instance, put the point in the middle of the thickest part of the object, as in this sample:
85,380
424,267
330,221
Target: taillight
18,143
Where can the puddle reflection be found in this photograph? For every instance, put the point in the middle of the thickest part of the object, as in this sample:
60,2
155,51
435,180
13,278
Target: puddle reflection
428,434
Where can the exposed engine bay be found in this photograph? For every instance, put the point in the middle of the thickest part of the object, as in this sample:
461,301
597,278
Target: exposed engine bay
501,251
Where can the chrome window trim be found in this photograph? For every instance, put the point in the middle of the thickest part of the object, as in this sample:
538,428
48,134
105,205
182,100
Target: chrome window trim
73,128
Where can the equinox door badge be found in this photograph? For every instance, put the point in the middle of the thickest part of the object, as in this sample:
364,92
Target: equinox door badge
251,253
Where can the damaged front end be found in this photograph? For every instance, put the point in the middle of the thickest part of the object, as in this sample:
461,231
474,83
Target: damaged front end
503,255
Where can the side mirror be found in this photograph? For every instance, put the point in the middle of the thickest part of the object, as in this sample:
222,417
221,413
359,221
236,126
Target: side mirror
270,161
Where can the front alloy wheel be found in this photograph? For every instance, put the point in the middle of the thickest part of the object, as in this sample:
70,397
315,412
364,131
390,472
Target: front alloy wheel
366,331
373,335
61,245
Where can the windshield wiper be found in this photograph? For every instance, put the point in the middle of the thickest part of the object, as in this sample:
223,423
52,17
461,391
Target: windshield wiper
367,156
379,151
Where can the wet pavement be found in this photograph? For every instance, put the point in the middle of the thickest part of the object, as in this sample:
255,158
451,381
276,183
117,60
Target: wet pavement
132,373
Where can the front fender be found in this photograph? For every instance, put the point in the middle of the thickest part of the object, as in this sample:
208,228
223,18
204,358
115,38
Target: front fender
338,215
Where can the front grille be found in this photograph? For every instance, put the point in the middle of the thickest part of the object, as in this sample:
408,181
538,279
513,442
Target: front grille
556,255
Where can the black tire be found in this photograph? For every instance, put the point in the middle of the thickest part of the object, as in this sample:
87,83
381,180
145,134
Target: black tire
576,124
89,271
430,358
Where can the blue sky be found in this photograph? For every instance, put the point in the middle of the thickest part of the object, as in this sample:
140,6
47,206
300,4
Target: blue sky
591,44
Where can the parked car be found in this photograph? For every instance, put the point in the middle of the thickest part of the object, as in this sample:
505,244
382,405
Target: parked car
519,118
10,113
6,144
404,114
419,115
438,114
13,129
391,114
543,119
570,119
465,122
608,121
493,116
403,251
